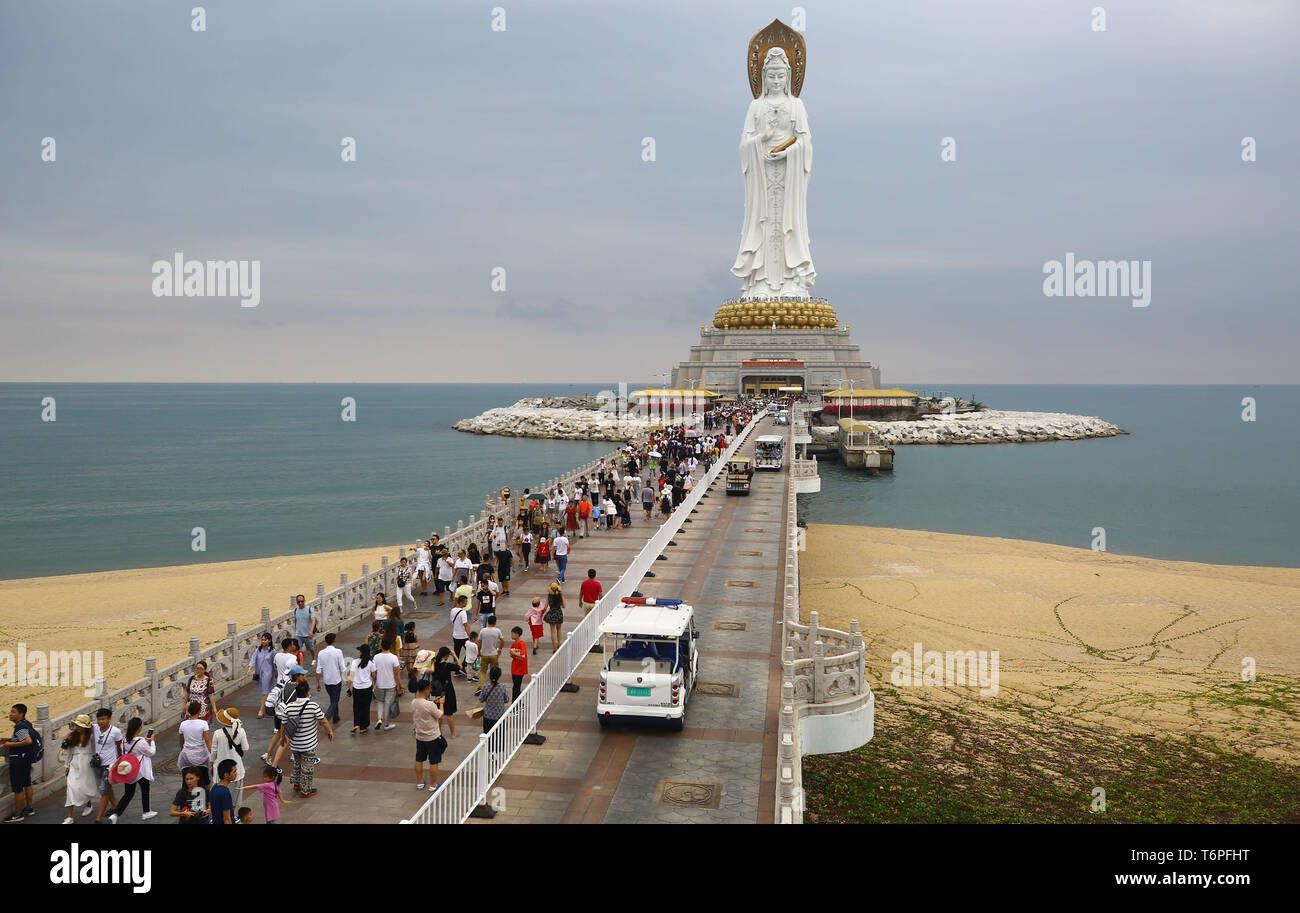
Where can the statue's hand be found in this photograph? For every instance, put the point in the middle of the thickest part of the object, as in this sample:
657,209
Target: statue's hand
778,155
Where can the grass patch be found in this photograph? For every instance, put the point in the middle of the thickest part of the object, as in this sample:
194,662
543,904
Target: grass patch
944,764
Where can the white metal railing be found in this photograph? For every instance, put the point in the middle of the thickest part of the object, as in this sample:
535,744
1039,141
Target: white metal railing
470,784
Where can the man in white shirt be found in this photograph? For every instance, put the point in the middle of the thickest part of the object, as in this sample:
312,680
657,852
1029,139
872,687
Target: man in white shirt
108,746
329,669
388,686
446,574
560,549
459,624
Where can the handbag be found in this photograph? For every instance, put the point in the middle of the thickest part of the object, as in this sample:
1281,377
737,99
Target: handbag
394,708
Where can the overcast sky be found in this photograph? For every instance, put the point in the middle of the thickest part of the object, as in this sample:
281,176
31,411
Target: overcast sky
522,149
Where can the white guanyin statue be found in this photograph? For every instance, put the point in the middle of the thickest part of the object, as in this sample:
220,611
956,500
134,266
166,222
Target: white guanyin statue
776,160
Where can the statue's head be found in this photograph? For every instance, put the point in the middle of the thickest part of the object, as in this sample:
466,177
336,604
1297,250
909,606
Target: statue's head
776,72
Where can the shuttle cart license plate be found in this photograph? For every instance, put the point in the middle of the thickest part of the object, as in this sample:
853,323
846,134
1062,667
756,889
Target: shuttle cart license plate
638,692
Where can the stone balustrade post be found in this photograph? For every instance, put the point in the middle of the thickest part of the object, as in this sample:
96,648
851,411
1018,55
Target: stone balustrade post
232,634
819,672
43,727
855,635
813,633
194,648
266,616
446,534
365,571
155,688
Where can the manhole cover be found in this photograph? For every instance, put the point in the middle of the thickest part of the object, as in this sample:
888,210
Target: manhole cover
717,689
748,553
731,626
755,529
689,793
740,583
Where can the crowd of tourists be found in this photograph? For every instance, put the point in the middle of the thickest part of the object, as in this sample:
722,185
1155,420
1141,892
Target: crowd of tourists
654,476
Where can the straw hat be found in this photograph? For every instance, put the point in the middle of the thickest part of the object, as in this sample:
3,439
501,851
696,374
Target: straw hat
82,720
229,716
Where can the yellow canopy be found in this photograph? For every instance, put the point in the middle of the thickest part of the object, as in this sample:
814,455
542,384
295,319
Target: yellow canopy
844,391
657,392
851,425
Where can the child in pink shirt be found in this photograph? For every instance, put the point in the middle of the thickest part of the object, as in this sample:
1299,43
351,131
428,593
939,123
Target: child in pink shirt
535,622
271,795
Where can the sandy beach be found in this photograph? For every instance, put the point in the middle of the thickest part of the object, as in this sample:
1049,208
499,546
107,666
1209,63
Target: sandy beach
1134,645
134,614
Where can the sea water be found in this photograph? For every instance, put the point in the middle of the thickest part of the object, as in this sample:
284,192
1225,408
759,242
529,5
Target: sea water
1191,481
126,472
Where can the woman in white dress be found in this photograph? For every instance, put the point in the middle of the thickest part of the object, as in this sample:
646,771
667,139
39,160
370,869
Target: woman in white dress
423,567
230,743
79,748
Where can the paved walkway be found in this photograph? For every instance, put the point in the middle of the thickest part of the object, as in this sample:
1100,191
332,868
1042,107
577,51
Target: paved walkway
726,563
722,767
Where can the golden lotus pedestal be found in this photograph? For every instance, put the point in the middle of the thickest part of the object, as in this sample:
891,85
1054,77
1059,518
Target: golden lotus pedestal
780,315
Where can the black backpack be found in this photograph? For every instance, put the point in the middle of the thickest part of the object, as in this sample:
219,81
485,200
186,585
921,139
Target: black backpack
35,751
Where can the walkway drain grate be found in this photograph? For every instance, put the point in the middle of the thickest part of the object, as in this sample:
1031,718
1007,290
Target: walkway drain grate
755,529
689,793
748,553
731,626
743,584
717,689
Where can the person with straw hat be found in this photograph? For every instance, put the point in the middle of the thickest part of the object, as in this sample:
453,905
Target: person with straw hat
79,748
230,742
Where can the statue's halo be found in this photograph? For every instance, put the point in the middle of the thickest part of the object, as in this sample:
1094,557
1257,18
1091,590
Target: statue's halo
778,34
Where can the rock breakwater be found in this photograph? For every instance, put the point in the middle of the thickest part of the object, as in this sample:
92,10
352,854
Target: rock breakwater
991,427
567,418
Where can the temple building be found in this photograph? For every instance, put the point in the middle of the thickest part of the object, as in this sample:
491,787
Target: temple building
759,347
870,403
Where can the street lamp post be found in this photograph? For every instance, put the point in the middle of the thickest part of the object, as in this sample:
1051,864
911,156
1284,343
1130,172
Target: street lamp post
849,381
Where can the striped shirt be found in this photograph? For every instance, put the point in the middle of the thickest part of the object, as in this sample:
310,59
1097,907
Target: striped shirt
304,712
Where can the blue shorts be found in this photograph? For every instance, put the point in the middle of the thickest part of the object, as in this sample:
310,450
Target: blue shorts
20,773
